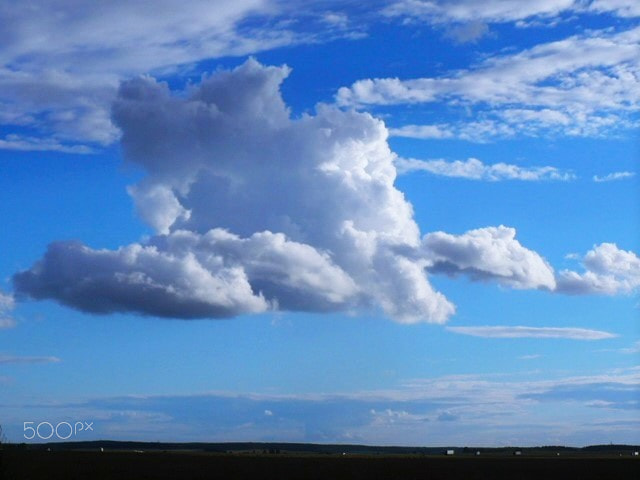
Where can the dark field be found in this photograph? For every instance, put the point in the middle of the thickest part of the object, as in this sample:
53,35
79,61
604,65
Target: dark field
70,465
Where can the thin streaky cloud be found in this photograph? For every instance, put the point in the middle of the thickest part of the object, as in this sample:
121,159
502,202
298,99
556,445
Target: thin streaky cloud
474,169
532,332
7,303
523,14
30,144
16,359
613,176
493,11
71,80
423,131
481,401
635,348
7,322
582,85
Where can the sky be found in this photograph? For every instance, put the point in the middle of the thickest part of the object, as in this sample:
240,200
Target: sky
414,222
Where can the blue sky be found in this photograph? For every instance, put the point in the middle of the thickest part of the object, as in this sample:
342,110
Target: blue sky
414,223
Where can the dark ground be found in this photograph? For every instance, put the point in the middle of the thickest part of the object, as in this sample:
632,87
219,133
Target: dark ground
85,465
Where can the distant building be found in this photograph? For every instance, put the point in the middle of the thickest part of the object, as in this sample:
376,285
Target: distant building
517,452
449,452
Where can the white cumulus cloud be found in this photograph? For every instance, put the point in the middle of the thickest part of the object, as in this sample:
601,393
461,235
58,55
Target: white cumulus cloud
141,279
609,270
257,211
254,211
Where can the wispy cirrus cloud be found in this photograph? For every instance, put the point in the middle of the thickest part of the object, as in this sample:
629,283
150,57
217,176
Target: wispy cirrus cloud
17,359
7,322
492,125
583,85
611,177
439,131
532,356
465,11
35,144
622,8
474,169
468,21
635,348
502,11
468,32
60,86
487,408
532,332
7,303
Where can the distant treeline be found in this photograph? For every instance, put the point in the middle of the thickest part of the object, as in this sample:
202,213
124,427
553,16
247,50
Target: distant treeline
313,448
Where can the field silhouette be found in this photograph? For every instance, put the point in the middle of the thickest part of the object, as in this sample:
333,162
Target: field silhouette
275,461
